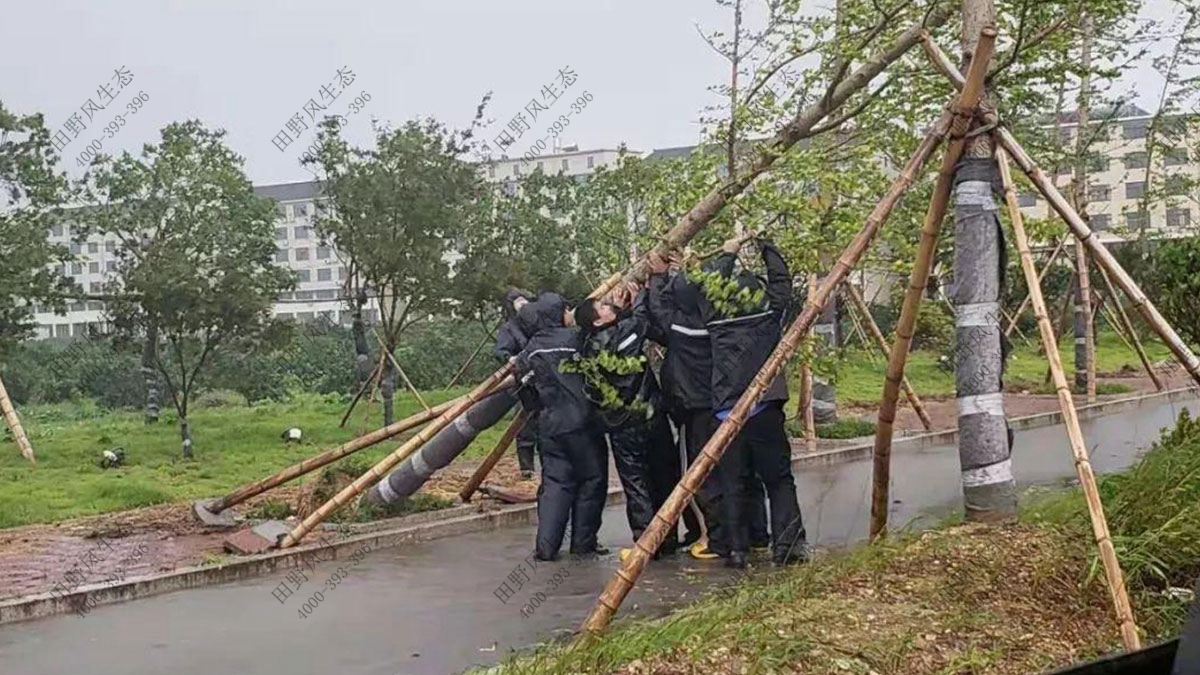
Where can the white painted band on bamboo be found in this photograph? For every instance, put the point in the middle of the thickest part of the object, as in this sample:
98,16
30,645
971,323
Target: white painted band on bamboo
977,314
976,193
988,404
420,466
385,490
464,426
1000,472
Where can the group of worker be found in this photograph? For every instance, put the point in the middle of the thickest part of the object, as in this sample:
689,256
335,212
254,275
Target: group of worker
586,381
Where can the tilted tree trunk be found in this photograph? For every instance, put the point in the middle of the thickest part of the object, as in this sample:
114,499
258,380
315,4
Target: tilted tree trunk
150,375
989,491
1085,346
387,391
364,367
185,433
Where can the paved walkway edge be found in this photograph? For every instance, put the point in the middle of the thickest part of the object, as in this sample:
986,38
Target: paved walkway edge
468,519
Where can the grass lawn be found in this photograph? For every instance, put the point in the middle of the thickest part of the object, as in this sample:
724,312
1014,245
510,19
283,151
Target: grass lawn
232,446
860,379
238,444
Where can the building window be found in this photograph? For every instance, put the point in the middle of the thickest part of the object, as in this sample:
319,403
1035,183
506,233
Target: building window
327,294
110,246
78,306
1135,160
1179,218
1137,220
1098,163
281,233
1176,157
62,330
1134,129
76,268
304,316
284,297
541,166
516,169
301,210
566,165
591,162
93,247
94,268
325,274
281,255
301,232
491,171
343,273
75,248
1135,189
301,254
1176,185
303,276
285,315
1099,193
322,253
56,230
95,305
1027,199
304,295
111,266
281,210
1100,221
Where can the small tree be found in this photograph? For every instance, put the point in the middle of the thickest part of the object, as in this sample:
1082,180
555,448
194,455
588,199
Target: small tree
32,192
396,212
196,252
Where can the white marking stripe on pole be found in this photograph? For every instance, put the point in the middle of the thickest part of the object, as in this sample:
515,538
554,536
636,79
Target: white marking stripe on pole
977,192
627,341
989,404
1000,472
977,314
385,490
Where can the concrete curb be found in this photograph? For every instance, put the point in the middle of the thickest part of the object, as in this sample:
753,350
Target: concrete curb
466,519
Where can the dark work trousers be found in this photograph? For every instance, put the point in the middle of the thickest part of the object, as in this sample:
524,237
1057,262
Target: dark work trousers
761,450
527,443
574,488
643,453
698,427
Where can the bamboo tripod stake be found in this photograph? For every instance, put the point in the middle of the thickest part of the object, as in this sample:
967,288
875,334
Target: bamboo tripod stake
1079,228
806,385
860,304
494,456
14,425
1041,275
1131,331
920,277
666,518
1108,556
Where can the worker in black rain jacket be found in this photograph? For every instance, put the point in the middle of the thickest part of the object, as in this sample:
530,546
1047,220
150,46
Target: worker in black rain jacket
675,309
510,340
744,316
574,461
620,383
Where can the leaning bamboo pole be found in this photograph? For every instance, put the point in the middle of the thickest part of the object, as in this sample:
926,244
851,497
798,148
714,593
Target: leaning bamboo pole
487,337
861,333
926,247
368,383
860,304
668,515
1083,467
1083,306
806,384
404,376
1016,316
1079,228
494,456
14,425
1131,331
329,456
380,470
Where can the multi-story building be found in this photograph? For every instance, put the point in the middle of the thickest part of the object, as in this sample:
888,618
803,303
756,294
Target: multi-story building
321,273
1117,178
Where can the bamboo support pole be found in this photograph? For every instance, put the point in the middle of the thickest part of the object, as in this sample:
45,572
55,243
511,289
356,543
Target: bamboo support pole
1041,275
860,333
1131,331
1105,310
1012,321
1083,467
474,355
404,376
860,304
329,456
926,247
380,470
1084,299
1080,229
369,383
14,425
666,518
806,385
494,456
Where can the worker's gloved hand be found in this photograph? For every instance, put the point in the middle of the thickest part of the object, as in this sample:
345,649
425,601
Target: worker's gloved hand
658,265
732,245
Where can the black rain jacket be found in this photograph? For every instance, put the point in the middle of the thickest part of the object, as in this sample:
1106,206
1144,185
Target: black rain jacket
626,337
564,406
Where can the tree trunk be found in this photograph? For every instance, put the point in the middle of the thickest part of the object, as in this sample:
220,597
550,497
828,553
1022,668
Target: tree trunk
387,389
1085,346
985,456
185,434
364,367
150,375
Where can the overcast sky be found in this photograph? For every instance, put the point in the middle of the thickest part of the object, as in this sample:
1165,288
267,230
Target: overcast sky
248,65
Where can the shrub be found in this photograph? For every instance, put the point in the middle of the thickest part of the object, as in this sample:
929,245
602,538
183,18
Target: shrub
219,398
